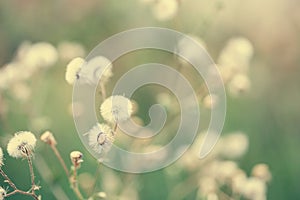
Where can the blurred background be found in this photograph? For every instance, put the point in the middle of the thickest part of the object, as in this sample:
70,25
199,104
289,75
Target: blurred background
267,113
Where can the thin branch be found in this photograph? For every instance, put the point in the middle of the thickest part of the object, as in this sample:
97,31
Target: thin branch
75,184
31,173
62,162
8,180
16,190
103,91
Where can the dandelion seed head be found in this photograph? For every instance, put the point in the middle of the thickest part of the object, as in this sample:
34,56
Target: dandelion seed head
97,67
40,54
68,50
210,101
73,69
116,109
164,10
22,144
236,54
1,157
255,188
239,84
101,195
234,145
100,138
262,172
2,193
48,138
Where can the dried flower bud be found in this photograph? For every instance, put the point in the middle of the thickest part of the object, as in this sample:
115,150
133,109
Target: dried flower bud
76,158
48,138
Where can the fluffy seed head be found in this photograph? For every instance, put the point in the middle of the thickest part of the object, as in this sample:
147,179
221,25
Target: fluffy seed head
100,138
73,69
116,108
164,10
262,171
22,144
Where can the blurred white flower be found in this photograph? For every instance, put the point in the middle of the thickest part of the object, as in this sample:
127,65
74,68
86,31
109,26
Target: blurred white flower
97,68
239,84
164,10
116,109
212,196
236,54
189,48
255,189
209,101
1,157
226,170
238,181
100,138
262,171
22,144
207,185
234,145
21,91
2,193
68,50
40,54
101,195
73,68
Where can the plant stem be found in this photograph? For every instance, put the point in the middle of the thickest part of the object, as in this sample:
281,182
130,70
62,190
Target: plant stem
62,162
16,190
75,184
103,91
22,192
31,174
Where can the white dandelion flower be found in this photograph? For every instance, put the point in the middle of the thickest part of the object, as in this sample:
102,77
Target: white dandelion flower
164,10
239,84
73,68
235,145
2,193
1,157
40,54
98,67
100,138
68,50
22,144
116,108
255,188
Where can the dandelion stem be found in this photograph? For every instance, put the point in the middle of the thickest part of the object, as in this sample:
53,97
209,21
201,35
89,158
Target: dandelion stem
16,190
8,180
75,184
31,173
115,128
62,162
103,91
24,193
